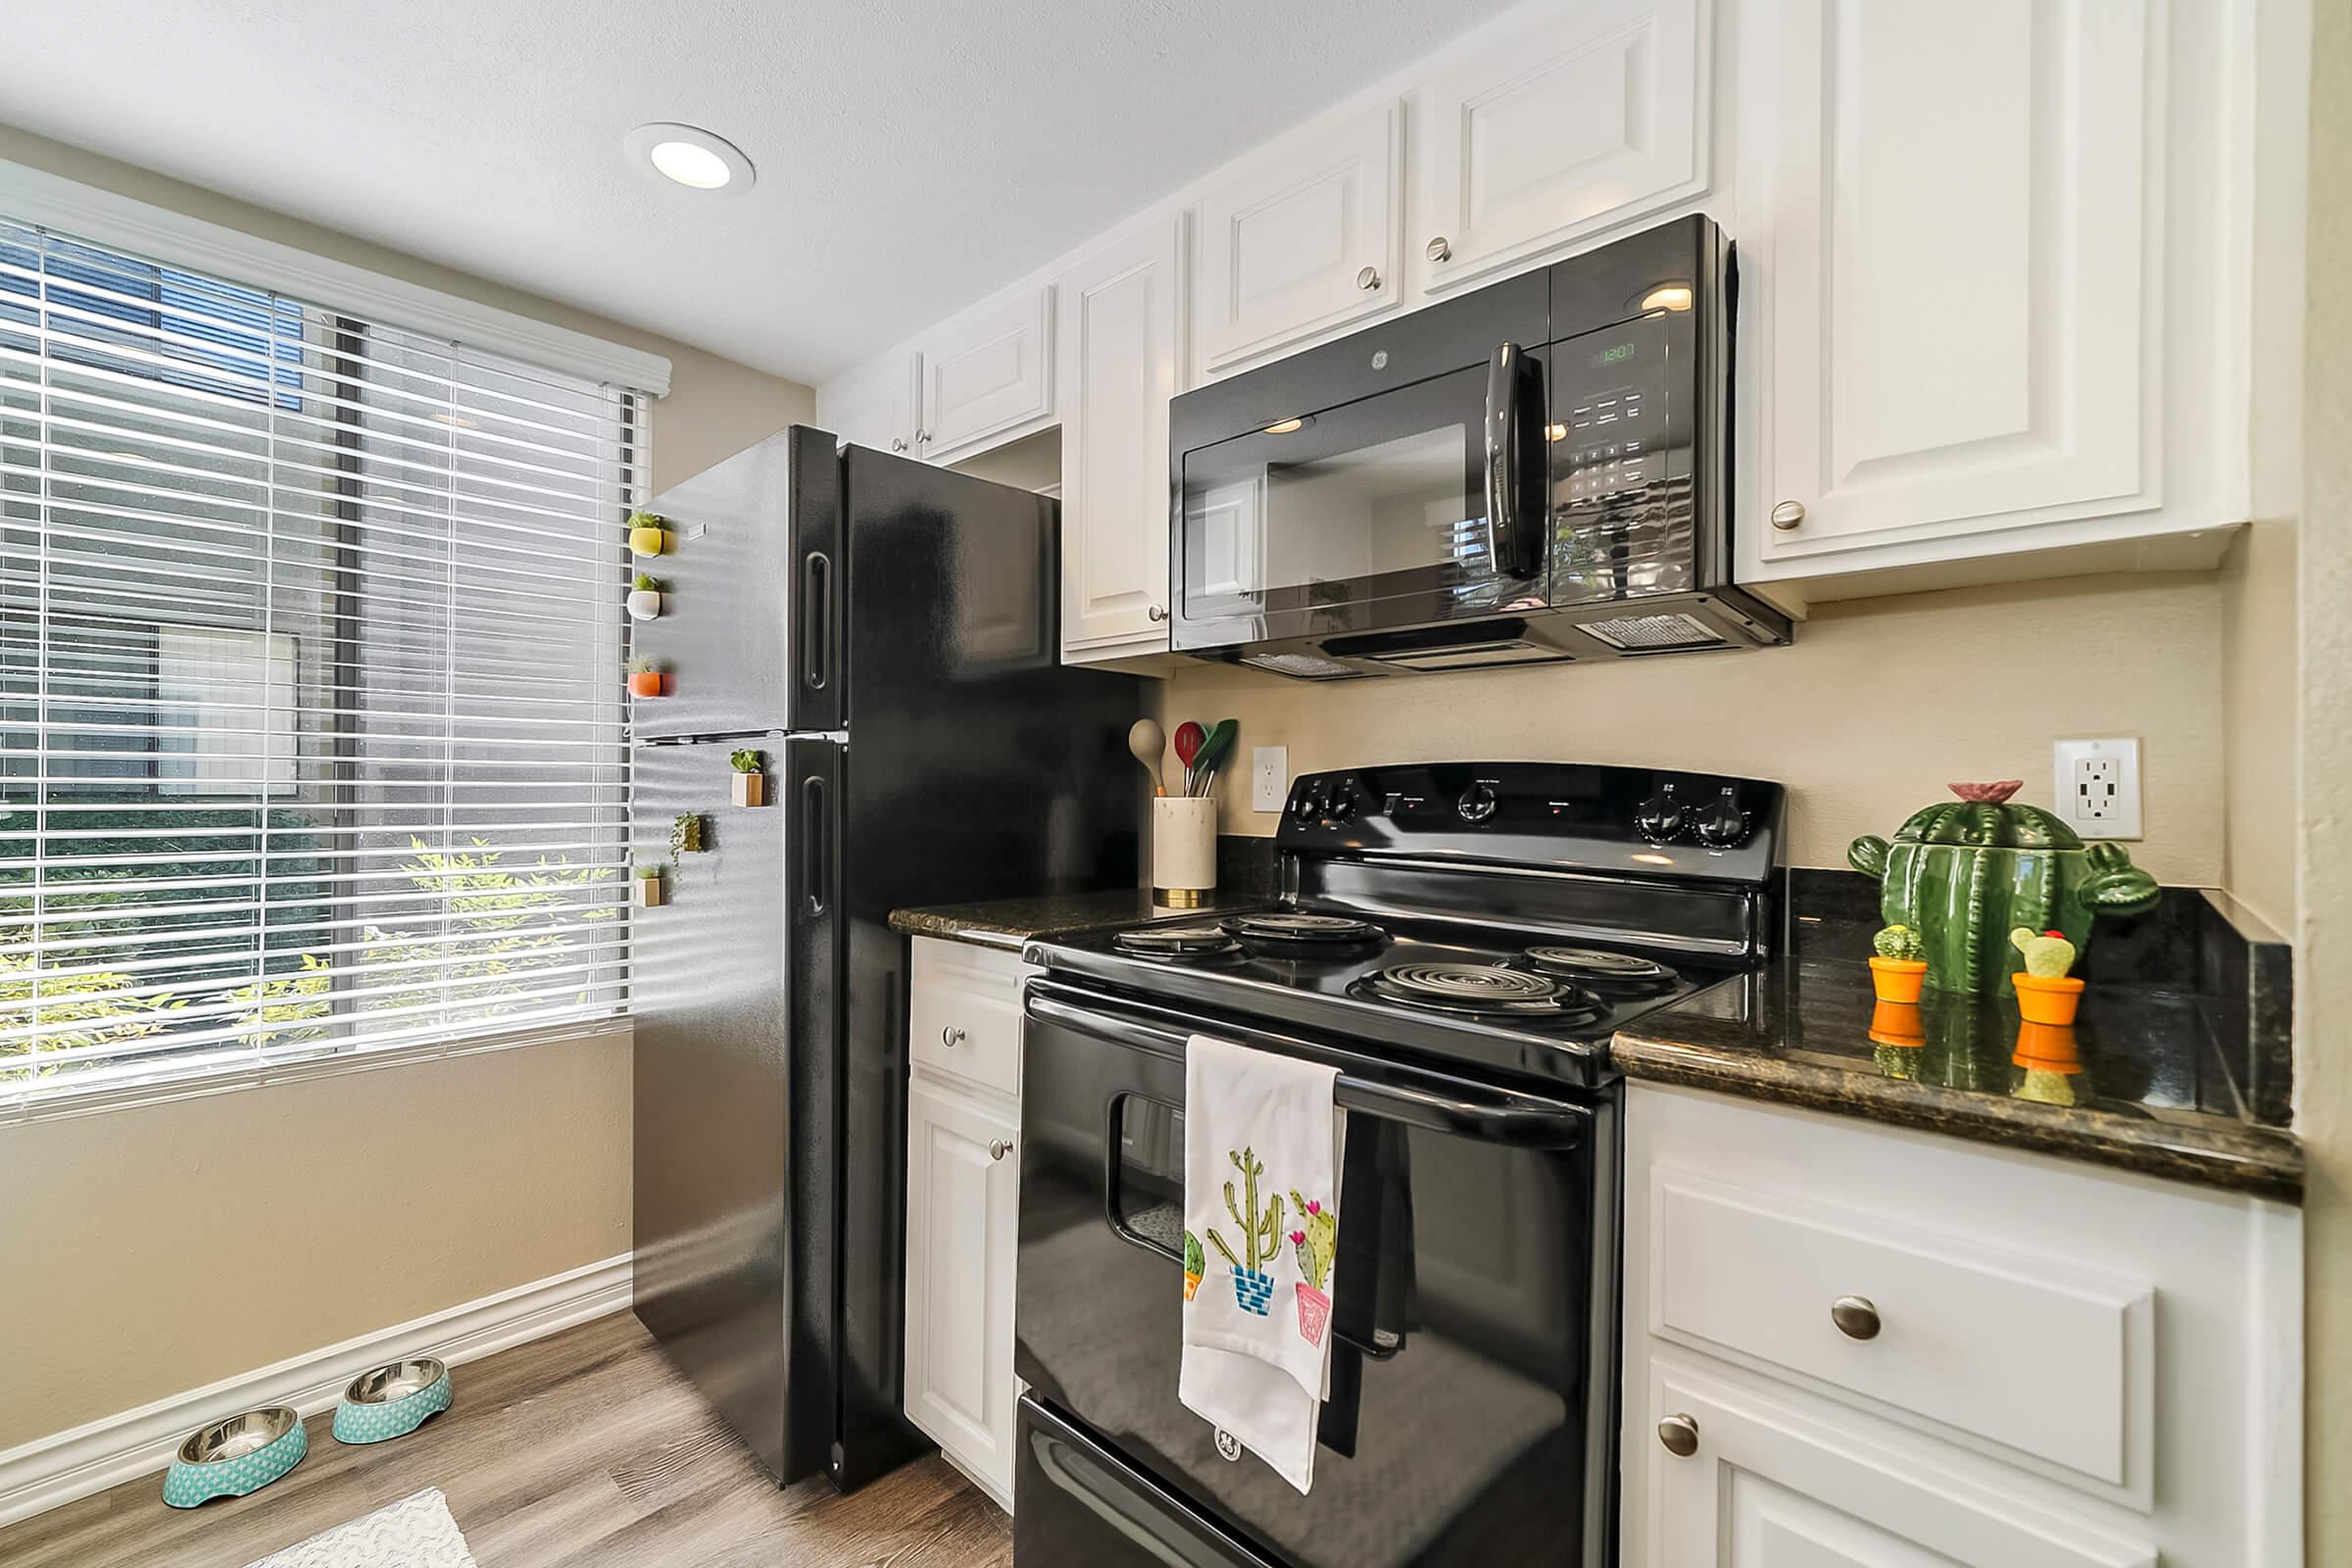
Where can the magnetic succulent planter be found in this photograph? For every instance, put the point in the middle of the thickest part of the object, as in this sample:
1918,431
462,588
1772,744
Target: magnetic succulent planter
644,599
751,777
653,887
647,680
649,536
1965,873
685,835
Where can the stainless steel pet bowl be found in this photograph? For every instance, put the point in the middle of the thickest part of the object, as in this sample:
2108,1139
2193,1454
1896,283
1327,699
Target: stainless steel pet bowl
392,1400
232,1457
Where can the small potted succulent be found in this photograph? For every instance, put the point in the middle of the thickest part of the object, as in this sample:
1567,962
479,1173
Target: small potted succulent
685,835
649,534
645,679
645,598
1315,1241
1194,1264
1261,1235
1897,970
653,887
2045,992
751,777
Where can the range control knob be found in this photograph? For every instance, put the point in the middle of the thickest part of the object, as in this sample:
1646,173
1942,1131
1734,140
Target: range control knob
1476,802
1302,804
1659,816
1721,823
1341,807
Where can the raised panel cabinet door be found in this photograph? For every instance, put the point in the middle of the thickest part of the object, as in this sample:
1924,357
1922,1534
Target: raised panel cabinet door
1766,1485
1587,119
987,375
1301,242
873,406
1117,337
961,1191
1961,266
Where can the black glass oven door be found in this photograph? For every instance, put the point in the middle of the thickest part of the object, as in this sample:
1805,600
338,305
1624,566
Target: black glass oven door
1471,1417
1369,515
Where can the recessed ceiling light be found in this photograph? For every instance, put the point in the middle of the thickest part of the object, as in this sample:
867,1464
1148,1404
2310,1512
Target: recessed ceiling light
689,156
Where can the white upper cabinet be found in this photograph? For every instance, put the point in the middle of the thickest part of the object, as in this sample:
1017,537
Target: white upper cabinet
1970,237
1301,242
1584,120
1117,338
988,376
874,405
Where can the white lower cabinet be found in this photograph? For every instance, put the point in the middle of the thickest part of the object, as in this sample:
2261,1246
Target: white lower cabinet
1852,1345
963,1187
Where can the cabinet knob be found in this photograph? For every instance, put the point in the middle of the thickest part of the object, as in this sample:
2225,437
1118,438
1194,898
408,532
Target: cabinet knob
898,443
1368,279
1788,514
1679,1434
999,1148
1856,1317
922,438
1155,613
1439,250
950,1036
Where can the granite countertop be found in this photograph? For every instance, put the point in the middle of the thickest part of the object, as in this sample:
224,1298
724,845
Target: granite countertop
1009,922
2143,1080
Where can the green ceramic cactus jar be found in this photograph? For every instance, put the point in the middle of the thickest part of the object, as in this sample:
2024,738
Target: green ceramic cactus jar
1965,873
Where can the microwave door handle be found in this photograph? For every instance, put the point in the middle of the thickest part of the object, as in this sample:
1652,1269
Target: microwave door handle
1502,456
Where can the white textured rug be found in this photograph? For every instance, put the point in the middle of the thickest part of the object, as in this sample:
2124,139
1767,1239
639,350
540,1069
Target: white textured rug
414,1533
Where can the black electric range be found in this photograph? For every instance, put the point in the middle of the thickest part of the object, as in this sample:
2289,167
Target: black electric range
1460,940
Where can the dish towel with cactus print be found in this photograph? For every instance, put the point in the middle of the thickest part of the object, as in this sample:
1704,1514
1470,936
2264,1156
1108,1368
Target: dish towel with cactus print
1262,1146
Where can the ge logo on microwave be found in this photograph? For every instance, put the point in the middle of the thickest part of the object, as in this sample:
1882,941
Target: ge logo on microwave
1380,359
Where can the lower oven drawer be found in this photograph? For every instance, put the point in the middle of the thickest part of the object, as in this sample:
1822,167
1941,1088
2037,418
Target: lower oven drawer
1077,1504
1472,1412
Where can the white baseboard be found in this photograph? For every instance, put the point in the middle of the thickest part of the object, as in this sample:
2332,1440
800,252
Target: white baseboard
48,1471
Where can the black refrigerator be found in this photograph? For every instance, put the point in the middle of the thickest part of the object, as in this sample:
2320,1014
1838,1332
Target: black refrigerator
885,634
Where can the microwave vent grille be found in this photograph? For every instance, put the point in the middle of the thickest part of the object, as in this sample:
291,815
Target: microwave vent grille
1654,633
1304,667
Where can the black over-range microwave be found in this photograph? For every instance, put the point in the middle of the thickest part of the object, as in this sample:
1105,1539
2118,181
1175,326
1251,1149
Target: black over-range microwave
1538,471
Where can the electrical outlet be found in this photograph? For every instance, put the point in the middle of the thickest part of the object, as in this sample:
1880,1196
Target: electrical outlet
2096,786
1269,777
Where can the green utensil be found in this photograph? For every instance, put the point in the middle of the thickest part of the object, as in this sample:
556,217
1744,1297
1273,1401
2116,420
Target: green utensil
1213,754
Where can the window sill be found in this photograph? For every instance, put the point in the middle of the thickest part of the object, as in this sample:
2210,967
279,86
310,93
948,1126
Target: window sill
18,1105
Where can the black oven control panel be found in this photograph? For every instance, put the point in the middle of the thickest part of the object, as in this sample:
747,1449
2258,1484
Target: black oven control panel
1578,816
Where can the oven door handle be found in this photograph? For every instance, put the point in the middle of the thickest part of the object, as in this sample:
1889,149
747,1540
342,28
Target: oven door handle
1416,1098
1511,544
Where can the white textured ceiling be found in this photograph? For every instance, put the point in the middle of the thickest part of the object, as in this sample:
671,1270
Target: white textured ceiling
912,157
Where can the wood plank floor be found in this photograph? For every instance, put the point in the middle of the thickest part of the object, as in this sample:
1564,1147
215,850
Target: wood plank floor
583,1450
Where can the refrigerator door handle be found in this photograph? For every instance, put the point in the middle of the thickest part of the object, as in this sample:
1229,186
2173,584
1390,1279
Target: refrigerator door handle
817,618
814,880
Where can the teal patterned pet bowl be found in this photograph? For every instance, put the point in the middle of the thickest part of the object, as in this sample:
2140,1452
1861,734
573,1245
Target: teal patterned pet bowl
391,1402
230,1458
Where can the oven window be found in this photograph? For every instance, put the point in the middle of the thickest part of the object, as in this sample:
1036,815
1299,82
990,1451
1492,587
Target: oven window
1375,501
1149,1193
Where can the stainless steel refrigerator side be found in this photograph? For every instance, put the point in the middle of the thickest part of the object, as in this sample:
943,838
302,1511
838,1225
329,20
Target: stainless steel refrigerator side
748,633
716,1187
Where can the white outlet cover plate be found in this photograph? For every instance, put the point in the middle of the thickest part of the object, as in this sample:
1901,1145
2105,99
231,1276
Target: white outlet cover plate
1269,777
2096,784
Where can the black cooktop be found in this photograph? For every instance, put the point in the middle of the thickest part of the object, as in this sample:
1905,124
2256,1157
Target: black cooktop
1533,1004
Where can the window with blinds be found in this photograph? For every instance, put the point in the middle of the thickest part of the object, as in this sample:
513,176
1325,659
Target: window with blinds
310,706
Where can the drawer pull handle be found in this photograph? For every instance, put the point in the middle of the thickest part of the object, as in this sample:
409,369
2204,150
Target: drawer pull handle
1679,1434
999,1148
950,1036
1855,1316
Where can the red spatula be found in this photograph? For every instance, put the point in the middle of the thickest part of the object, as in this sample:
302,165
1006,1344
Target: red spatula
1189,737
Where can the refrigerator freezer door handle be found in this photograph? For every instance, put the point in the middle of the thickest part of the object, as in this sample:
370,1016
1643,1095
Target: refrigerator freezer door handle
815,873
817,618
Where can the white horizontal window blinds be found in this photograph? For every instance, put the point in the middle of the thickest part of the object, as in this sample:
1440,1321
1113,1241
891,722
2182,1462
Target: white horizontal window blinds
310,706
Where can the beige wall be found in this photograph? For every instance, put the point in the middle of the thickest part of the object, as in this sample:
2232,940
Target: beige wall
2323,979
1876,707
486,1171
2258,710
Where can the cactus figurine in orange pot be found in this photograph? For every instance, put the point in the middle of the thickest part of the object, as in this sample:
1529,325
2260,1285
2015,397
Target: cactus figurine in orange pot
1897,970
2045,992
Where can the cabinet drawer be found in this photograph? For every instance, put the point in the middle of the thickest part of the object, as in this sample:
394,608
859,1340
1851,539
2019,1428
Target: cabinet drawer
2024,1350
964,1013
